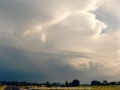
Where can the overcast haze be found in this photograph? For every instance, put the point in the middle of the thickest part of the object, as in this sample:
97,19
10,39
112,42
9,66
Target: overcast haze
59,40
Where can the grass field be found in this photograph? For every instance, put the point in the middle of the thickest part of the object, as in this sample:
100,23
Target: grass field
103,87
2,87
81,88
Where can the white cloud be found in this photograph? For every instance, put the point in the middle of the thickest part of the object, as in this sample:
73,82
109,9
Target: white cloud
75,35
83,22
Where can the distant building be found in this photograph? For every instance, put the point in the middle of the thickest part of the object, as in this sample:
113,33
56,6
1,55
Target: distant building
57,84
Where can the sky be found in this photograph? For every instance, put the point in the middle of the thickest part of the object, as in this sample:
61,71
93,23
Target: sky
59,40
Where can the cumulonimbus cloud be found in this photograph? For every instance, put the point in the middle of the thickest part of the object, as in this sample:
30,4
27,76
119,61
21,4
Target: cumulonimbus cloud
59,35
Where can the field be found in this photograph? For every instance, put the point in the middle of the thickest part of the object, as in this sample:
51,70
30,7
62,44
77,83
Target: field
71,88
103,87
2,87
113,87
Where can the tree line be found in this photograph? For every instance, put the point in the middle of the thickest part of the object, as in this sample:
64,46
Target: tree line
47,84
105,82
74,83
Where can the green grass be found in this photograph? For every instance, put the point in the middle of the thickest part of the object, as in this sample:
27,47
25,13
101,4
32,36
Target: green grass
113,87
103,87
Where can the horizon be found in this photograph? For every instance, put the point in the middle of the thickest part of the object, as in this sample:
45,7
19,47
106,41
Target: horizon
93,82
59,40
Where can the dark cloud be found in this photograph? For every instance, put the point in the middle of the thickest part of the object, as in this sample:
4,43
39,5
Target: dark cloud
41,67
55,40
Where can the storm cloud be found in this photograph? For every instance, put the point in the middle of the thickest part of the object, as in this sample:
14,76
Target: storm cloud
59,40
